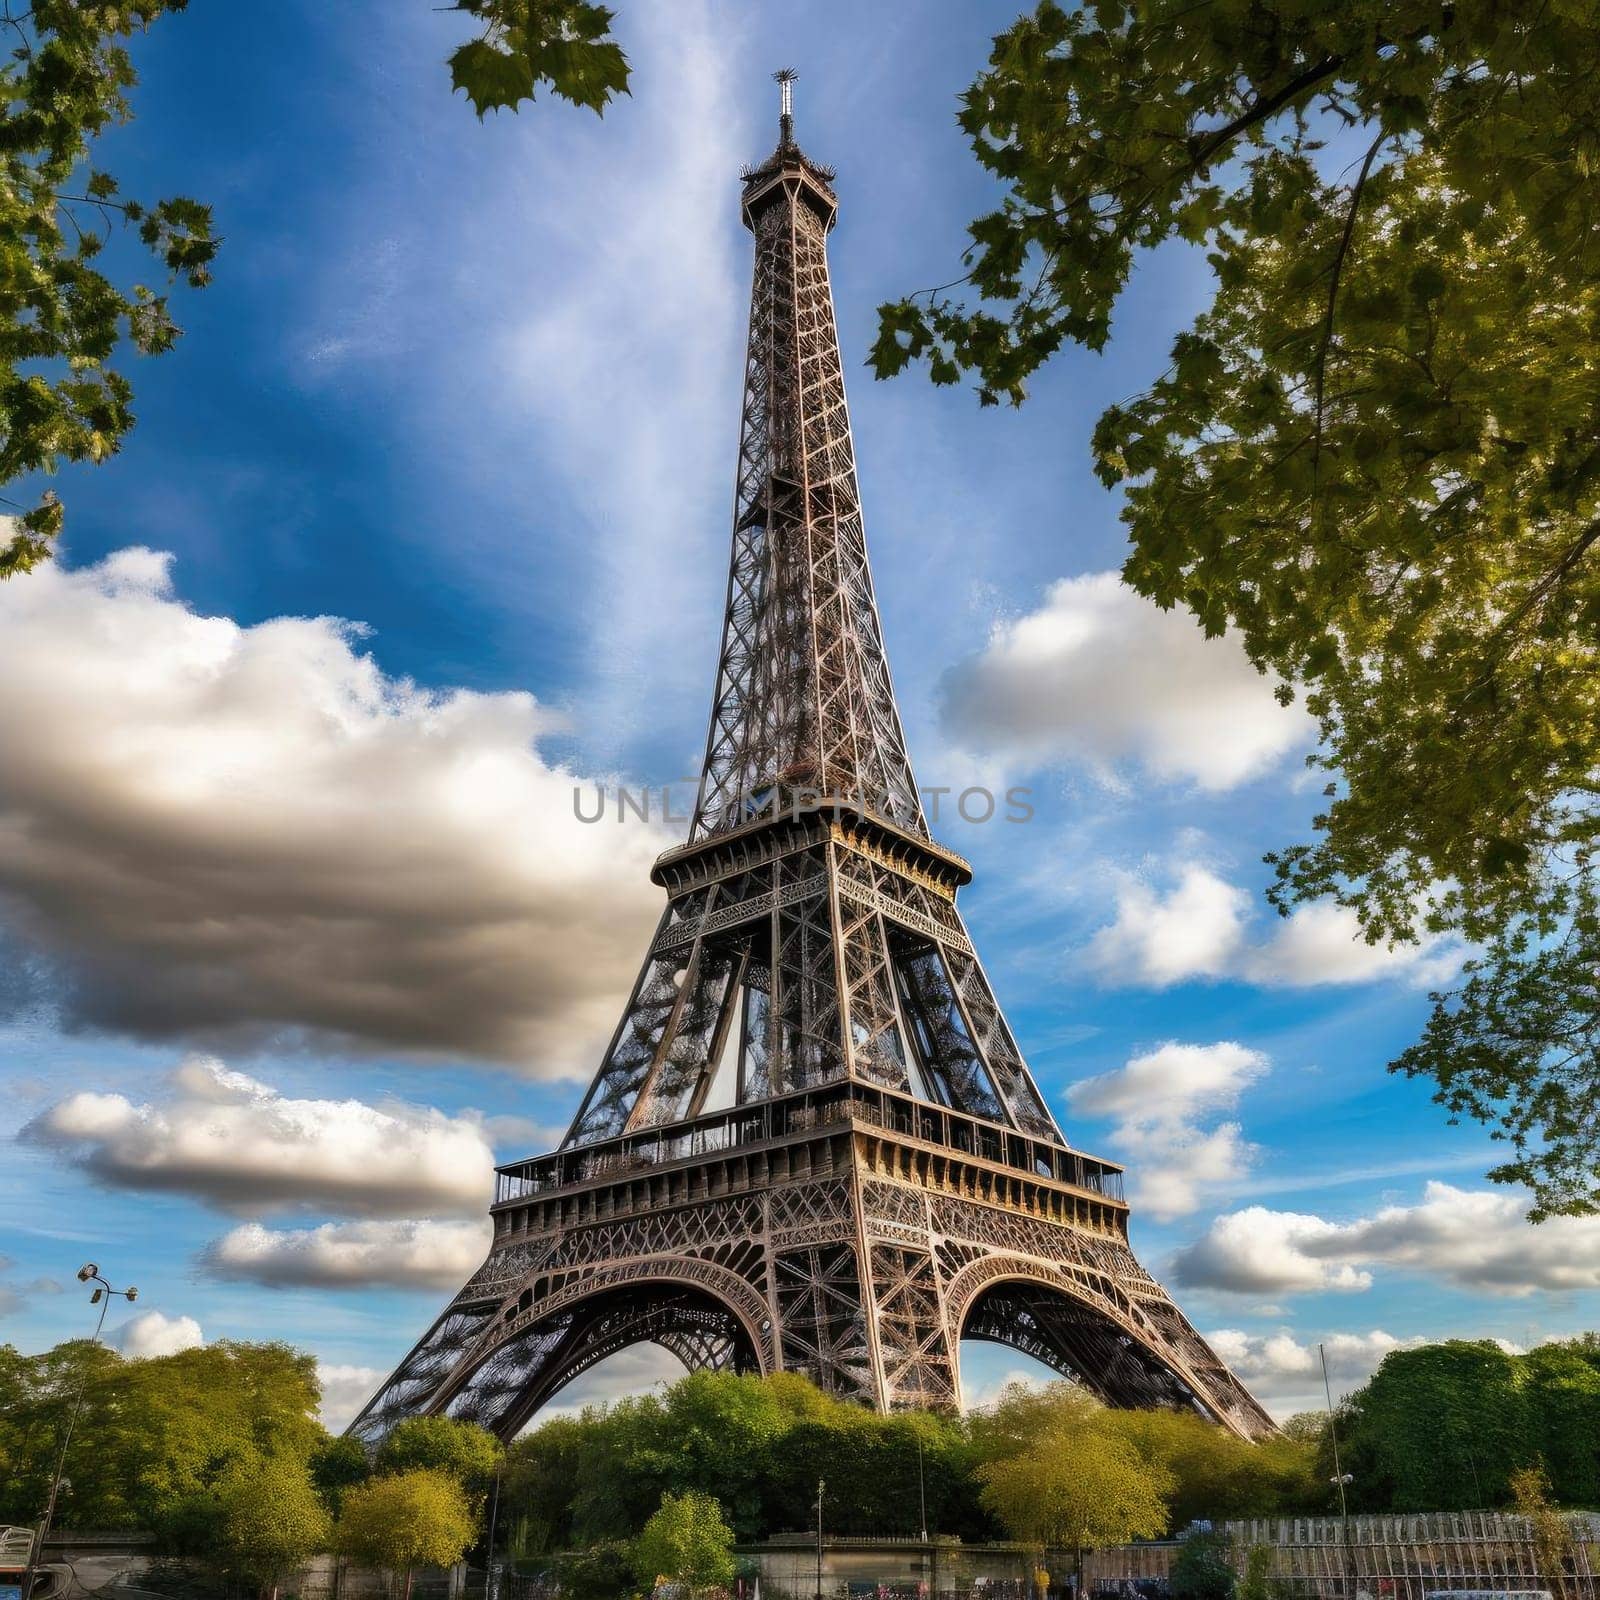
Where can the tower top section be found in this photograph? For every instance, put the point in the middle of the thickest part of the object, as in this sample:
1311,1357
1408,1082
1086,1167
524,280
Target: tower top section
803,712
788,173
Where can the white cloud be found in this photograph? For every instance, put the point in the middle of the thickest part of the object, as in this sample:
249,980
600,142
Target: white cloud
1286,1375
347,1255
243,1146
1156,940
1158,1100
153,1333
345,1389
1202,926
1476,1240
980,1392
1323,943
1171,1083
215,831
1257,1251
1100,675
1180,1167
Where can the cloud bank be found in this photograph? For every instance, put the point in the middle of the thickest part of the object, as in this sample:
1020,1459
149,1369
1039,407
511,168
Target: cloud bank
1200,926
1286,1375
152,1333
1102,676
1159,1101
1476,1240
217,832
345,1389
407,1254
224,1138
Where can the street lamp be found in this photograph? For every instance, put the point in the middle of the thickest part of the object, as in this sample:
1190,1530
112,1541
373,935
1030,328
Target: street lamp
820,1486
928,1558
922,1491
102,1297
494,1516
1340,1477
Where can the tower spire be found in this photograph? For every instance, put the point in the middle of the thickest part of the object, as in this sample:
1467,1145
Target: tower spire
803,704
784,77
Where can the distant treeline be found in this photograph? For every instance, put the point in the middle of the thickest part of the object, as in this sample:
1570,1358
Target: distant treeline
1438,1428
218,1452
759,1445
1444,1427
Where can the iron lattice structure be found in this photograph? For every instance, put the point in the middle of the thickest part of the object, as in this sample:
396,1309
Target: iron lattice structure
813,1144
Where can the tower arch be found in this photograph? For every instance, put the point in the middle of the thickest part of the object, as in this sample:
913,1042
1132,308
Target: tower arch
1086,1332
549,1334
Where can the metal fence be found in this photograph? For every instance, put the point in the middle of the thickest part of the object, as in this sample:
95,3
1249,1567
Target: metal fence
1384,1558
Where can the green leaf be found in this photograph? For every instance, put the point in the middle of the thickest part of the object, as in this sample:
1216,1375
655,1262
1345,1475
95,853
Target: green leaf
492,79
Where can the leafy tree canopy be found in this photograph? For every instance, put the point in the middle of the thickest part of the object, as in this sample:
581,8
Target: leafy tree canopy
1447,1427
1203,1568
1552,1532
271,1518
756,1445
1215,1475
462,1450
1076,1480
64,323
1374,457
416,1518
156,1437
336,1464
686,1540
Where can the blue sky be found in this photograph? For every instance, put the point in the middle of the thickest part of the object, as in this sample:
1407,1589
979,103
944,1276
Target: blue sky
475,388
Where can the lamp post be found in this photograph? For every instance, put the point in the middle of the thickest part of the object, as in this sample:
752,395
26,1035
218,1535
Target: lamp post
494,1516
820,1486
102,1296
922,1491
922,1506
1341,1478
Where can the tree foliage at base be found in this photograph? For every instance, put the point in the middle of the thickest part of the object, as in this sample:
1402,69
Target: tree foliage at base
461,1450
1076,1481
759,1445
1375,458
1448,1427
271,1519
1203,1568
1552,1533
417,1518
687,1541
156,1438
756,1445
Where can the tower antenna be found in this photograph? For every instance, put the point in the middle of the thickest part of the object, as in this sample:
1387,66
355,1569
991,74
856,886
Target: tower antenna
784,77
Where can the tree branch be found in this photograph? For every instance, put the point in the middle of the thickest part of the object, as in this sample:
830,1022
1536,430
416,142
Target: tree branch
1333,296
1574,554
1263,108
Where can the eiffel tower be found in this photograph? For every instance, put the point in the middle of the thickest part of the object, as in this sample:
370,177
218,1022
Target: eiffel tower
813,1145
